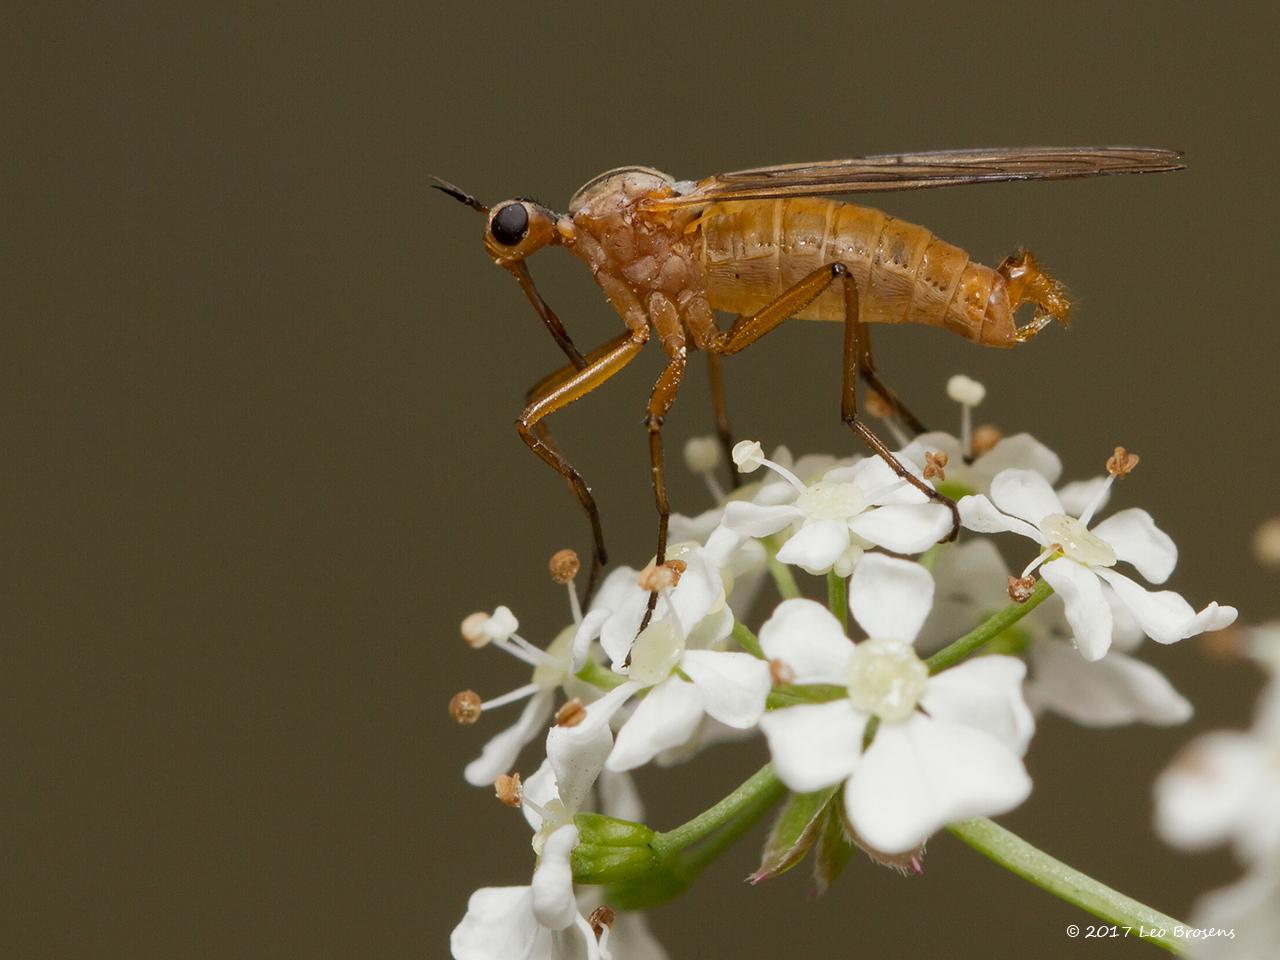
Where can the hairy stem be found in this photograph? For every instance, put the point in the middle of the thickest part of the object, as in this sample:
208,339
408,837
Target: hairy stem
1015,854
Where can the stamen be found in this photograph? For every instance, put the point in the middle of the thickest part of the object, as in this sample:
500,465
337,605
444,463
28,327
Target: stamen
473,629
1034,564
749,456
571,713
1098,498
1020,588
665,576
985,438
968,393
537,657
507,789
465,707
1122,463
519,693
935,465
564,566
781,674
601,920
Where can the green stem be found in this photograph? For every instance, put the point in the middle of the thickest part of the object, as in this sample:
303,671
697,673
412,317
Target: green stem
782,575
838,598
983,634
747,640
1015,854
695,861
763,786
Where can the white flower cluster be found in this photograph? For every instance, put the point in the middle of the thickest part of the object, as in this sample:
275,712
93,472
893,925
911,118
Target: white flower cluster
661,664
1225,788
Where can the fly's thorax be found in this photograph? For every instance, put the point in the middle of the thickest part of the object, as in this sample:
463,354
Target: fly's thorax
624,243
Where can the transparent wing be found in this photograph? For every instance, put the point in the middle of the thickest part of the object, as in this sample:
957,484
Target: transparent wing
918,171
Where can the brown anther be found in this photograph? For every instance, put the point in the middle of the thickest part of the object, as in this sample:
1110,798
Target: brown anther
465,707
877,405
507,789
985,438
1266,543
1225,646
935,464
473,629
781,674
571,713
1122,463
601,919
564,565
1020,588
662,577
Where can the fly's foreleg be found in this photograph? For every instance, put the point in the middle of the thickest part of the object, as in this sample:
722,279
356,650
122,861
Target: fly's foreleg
556,392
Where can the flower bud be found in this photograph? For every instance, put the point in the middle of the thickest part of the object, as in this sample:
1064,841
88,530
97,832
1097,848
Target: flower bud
966,390
610,850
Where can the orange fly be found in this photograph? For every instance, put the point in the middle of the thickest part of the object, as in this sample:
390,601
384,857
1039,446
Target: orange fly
765,245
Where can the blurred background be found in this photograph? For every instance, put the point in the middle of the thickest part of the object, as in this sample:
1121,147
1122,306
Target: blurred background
259,458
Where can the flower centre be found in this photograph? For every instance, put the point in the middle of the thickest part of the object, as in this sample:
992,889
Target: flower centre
886,678
656,652
548,676
1076,541
829,500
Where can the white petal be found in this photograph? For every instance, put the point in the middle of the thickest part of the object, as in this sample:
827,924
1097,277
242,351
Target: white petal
588,630
753,520
808,639
890,598
681,528
814,745
540,788
879,482
619,796
665,718
816,546
986,694
1024,494
699,592
903,528
499,755
922,774
734,686
1079,495
1110,692
1137,540
499,924
1206,795
980,515
935,441
1164,615
554,904
577,758
1087,609
1021,451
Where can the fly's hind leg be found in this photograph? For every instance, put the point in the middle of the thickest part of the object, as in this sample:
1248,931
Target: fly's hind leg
555,392
747,330
867,368
1027,282
722,416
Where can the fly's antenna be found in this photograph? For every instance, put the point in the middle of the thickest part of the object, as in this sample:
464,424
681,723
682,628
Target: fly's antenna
444,186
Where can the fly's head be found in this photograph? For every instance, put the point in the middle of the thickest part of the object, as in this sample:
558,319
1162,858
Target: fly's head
513,229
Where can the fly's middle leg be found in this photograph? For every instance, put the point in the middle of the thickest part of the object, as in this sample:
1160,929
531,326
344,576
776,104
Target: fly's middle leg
664,394
867,368
1027,282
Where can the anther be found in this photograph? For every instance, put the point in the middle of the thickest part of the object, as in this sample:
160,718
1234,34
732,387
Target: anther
966,390
473,629
1266,543
601,919
748,455
935,465
564,566
702,454
985,438
1122,463
656,578
781,674
465,707
1020,588
507,789
571,713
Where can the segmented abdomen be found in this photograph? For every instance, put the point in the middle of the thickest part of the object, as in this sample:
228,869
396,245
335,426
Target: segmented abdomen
753,250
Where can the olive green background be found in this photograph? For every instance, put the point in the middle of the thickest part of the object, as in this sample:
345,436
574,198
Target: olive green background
259,457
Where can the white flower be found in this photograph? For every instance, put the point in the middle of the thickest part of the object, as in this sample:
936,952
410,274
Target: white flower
1118,689
674,661
553,668
1225,786
836,517
1084,558
947,747
1242,921
539,921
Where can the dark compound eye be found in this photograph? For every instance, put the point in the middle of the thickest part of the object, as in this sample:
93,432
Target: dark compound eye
510,224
